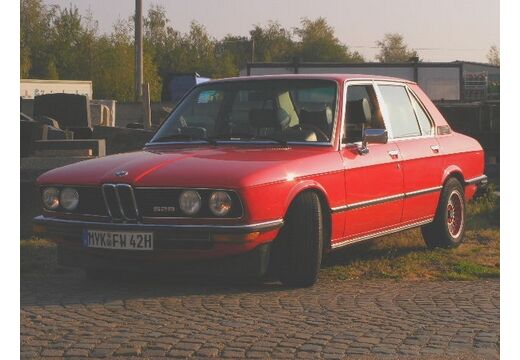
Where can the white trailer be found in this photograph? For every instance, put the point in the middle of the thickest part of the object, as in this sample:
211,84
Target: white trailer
29,88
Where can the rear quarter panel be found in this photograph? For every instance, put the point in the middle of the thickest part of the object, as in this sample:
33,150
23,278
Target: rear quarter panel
461,154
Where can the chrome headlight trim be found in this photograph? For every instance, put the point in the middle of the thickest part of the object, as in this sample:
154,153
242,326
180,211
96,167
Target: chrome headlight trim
220,203
51,198
190,202
69,198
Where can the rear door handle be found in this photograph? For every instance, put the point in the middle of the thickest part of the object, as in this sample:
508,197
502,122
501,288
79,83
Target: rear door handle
435,148
394,154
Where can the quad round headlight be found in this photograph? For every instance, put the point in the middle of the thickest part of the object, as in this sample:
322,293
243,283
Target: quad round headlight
219,203
190,202
69,199
51,198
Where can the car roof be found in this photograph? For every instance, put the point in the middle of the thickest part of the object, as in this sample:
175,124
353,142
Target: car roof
335,77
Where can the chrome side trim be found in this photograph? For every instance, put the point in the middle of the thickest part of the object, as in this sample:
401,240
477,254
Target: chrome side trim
375,201
422,191
339,209
261,226
380,233
384,199
482,179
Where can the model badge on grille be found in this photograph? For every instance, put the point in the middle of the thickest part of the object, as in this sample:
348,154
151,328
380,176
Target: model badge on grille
121,173
164,209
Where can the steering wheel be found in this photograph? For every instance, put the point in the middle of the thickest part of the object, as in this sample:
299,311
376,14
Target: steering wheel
321,134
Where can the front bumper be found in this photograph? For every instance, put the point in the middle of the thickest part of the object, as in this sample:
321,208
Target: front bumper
65,224
173,242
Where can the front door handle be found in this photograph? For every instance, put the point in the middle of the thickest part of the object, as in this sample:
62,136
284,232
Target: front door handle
435,148
394,154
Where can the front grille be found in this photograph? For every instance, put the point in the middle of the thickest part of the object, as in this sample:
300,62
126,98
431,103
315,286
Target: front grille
120,201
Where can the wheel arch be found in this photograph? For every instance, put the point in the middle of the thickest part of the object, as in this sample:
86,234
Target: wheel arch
453,171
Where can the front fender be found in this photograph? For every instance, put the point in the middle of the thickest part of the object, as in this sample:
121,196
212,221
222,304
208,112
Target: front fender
306,185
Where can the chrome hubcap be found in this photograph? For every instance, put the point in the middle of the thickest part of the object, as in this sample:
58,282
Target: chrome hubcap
455,215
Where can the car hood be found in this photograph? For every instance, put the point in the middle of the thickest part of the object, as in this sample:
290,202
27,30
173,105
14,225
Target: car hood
206,166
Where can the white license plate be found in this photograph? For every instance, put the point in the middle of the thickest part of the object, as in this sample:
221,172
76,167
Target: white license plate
118,240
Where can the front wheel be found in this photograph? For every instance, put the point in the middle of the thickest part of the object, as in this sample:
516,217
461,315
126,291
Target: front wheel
300,243
447,228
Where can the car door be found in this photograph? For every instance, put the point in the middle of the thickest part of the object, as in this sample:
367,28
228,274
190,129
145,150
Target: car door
411,129
374,180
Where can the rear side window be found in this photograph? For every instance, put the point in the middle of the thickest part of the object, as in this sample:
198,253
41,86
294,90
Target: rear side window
424,121
400,111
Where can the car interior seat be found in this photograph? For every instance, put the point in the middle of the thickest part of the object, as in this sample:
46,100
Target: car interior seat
275,123
269,122
320,121
358,114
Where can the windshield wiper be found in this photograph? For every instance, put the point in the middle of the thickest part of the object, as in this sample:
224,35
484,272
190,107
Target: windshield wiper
185,137
246,136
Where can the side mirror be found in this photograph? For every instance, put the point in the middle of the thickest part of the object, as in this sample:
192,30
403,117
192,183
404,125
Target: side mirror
372,136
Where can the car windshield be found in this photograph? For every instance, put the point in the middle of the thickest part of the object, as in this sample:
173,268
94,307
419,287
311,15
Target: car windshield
282,111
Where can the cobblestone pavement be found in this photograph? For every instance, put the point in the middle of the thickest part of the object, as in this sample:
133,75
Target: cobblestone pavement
70,316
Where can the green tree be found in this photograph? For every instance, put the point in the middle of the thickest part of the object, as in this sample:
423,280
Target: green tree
235,50
70,54
35,30
493,55
52,71
272,43
393,49
195,52
160,39
319,43
115,66
25,62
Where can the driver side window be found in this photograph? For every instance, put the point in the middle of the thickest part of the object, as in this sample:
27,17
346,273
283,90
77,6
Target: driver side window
362,111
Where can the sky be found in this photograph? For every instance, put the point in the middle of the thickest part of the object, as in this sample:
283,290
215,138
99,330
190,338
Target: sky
440,30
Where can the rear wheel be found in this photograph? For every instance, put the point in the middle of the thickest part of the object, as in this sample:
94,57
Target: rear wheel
299,246
447,228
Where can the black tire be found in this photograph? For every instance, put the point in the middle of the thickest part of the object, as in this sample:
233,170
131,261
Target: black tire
447,230
300,244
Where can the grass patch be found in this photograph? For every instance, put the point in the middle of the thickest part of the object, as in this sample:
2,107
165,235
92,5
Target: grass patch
404,256
38,258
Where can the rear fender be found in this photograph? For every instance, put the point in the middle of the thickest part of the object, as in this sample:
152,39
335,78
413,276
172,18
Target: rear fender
453,170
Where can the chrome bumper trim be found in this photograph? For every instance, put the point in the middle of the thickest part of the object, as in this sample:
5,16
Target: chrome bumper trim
479,180
262,226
